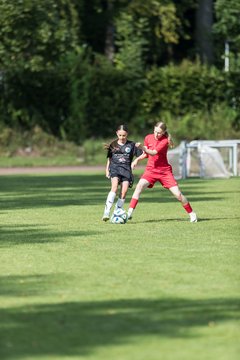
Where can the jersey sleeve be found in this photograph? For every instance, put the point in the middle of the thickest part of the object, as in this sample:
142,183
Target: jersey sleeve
109,153
137,151
162,145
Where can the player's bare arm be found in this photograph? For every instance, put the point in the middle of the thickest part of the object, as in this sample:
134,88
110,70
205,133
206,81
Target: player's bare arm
107,169
146,150
139,158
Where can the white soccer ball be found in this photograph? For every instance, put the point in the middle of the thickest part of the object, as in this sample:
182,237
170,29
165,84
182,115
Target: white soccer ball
119,217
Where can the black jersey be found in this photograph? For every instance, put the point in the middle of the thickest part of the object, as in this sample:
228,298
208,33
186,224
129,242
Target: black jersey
121,157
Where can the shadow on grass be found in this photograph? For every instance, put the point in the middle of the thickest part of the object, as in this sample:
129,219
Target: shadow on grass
48,191
27,285
29,234
24,192
159,220
78,328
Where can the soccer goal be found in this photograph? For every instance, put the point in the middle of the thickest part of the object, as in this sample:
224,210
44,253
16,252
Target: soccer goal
206,159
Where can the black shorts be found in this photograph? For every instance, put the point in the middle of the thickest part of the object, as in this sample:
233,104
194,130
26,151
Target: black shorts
122,175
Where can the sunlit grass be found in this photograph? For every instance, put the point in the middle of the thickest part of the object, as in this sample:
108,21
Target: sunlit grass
73,287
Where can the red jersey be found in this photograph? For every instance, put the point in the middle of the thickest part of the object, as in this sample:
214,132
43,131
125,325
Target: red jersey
158,161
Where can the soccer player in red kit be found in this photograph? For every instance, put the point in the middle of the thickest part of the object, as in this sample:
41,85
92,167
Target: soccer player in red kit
158,169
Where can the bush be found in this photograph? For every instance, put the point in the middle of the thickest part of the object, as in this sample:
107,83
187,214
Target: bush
197,101
102,98
35,142
40,99
216,124
181,89
84,97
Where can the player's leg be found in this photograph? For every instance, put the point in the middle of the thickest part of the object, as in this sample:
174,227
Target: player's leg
122,195
142,184
110,198
185,203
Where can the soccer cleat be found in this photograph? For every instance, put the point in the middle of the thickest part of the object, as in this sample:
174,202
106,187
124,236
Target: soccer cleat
105,216
193,217
129,216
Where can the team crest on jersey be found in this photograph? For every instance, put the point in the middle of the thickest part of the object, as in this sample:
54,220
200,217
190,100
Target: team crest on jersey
127,150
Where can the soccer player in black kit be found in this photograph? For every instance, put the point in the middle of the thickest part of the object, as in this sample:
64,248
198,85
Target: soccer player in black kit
119,159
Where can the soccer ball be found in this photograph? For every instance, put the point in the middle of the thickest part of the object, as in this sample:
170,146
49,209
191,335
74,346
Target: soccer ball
119,217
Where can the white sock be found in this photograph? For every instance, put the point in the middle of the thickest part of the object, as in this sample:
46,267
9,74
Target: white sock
119,203
110,201
130,211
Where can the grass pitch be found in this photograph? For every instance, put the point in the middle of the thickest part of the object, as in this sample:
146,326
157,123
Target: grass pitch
158,287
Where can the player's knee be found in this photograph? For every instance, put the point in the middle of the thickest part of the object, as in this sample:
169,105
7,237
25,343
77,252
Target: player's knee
139,188
179,197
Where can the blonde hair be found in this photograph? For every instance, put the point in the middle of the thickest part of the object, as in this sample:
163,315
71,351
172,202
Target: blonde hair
163,127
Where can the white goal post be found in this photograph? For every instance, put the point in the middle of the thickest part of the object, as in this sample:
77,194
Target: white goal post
206,159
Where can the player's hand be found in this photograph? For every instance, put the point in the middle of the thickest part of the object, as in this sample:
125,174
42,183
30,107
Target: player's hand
134,164
138,145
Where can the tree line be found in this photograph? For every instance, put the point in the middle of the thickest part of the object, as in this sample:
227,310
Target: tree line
78,68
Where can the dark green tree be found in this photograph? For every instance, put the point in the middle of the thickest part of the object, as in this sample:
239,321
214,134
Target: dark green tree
36,37
204,23
36,34
227,31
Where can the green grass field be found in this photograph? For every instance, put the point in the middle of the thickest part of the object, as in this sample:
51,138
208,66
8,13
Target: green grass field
156,288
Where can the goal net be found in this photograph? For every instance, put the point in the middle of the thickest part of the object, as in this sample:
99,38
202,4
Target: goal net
206,159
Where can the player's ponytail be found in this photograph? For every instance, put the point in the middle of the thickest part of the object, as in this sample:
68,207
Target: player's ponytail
163,126
110,146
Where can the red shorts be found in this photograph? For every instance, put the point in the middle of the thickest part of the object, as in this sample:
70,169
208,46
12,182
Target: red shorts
165,177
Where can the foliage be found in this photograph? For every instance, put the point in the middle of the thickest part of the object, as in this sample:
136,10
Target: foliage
74,127
195,101
233,94
162,24
227,25
186,88
41,99
102,93
215,124
36,34
161,18
34,143
161,15
183,10
89,99
226,29
131,44
35,38
53,74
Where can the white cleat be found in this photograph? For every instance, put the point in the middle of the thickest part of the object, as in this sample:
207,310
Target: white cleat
105,216
193,217
129,216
